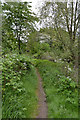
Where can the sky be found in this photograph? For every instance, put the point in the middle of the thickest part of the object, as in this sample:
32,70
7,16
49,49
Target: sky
35,4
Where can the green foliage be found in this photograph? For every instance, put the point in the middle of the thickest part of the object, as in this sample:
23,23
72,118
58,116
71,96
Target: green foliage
18,20
36,48
53,43
30,100
62,17
45,47
19,83
42,51
61,91
68,87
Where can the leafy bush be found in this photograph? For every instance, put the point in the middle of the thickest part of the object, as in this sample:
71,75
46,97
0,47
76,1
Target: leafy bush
69,88
45,47
61,91
16,71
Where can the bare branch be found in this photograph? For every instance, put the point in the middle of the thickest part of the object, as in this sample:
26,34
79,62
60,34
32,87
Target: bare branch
75,19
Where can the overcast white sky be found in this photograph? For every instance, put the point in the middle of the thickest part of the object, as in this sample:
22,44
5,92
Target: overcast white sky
36,3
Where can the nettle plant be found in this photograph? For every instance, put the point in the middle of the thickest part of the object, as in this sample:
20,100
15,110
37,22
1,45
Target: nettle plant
14,67
68,87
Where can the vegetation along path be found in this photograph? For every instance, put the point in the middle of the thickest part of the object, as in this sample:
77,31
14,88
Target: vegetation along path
42,108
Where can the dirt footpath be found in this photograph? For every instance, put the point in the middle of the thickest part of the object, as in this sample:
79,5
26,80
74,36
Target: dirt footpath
42,106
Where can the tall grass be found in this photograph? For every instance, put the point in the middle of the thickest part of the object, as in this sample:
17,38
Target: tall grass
61,92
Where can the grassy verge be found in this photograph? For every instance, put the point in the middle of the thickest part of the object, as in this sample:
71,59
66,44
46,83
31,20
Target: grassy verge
30,99
19,84
61,92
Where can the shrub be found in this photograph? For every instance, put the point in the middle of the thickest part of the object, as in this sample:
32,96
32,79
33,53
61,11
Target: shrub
15,69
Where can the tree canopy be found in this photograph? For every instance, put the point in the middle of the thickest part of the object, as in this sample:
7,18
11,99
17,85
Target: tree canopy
62,16
18,22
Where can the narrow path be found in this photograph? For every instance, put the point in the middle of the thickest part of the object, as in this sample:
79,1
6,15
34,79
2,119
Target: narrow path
42,106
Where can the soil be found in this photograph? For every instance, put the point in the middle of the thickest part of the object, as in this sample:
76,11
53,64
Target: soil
42,105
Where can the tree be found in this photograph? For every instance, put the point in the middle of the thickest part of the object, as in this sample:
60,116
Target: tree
18,21
62,16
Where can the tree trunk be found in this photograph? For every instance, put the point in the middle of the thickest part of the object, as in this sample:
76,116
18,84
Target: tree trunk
18,38
19,44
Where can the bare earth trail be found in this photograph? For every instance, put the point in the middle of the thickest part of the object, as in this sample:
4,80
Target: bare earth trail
42,106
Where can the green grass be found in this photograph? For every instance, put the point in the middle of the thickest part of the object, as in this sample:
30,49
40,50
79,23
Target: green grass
30,101
61,104
19,84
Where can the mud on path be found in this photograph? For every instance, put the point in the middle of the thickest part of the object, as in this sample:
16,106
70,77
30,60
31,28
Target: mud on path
42,106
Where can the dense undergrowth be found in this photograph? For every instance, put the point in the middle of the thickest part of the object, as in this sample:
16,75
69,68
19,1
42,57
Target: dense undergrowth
21,38
19,84
61,91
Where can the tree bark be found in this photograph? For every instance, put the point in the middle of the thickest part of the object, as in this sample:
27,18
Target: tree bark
74,33
18,38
